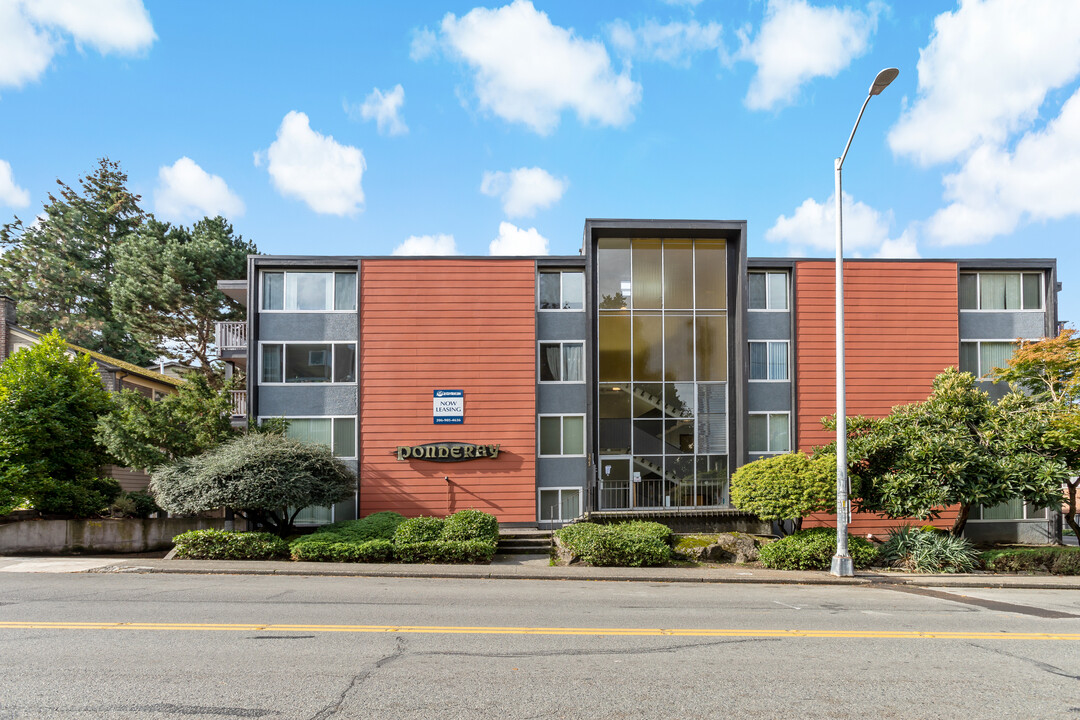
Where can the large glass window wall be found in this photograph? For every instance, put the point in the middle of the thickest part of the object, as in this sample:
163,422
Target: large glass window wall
663,371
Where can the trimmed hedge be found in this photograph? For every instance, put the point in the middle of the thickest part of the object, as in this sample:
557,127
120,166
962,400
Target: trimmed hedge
1055,560
471,525
814,550
377,526
446,551
370,551
418,529
634,544
229,545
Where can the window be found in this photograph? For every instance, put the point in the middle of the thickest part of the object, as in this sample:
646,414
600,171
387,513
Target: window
1000,291
559,505
309,291
768,291
1015,509
336,433
981,357
562,362
308,363
770,432
561,290
562,435
769,360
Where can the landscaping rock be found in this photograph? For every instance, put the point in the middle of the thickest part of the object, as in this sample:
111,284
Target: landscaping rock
727,548
563,554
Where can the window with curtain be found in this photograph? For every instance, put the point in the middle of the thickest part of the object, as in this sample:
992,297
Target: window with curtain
337,433
561,290
562,362
769,432
308,291
769,360
1000,290
767,291
562,435
982,357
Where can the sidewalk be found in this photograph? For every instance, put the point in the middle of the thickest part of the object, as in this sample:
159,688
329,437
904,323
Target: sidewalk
529,568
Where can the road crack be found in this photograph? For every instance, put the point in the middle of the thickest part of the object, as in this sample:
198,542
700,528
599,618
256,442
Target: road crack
1045,667
331,709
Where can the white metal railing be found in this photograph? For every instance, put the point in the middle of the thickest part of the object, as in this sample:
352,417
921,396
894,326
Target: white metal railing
239,402
231,335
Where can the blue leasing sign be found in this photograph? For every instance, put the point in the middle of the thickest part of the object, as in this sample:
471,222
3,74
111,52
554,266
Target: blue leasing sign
449,407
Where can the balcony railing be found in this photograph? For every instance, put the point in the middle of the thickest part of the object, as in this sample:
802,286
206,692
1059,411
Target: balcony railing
231,335
239,402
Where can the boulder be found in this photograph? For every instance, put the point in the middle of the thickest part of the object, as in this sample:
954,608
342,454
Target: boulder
728,548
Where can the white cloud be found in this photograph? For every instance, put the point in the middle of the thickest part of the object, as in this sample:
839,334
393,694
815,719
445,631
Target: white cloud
385,110
523,190
672,43
996,189
33,31
528,70
985,73
798,42
424,44
866,231
185,192
513,240
427,245
11,194
315,168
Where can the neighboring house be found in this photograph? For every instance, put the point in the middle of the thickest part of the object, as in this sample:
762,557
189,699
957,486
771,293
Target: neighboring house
628,381
116,375
172,368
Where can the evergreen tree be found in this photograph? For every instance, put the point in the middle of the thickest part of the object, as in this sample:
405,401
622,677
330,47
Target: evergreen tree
61,268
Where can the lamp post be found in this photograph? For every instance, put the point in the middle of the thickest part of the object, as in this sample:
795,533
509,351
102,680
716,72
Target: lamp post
841,562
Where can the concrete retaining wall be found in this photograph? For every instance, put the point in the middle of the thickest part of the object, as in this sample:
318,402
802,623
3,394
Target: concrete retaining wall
121,535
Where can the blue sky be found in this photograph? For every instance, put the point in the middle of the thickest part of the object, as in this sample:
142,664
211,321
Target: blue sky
370,128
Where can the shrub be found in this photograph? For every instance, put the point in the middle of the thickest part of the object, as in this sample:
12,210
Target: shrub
471,525
266,478
445,551
925,550
313,549
814,550
633,544
378,526
135,504
418,529
1056,560
786,487
227,545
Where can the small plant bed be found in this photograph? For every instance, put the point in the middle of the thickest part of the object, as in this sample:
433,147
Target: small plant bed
814,550
928,550
1054,560
630,544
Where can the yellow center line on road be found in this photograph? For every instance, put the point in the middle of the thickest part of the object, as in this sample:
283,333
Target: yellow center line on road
568,631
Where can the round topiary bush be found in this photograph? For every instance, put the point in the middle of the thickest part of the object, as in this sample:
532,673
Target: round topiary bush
814,550
471,525
418,529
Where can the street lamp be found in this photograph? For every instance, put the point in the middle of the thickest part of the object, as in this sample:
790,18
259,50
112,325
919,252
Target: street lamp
841,562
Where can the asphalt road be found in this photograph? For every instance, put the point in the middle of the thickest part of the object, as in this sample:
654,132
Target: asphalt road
192,647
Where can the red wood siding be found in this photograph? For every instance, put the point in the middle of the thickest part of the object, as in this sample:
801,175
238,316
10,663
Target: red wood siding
448,324
901,328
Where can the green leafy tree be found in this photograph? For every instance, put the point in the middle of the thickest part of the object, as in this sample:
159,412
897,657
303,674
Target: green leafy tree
265,478
1049,371
786,487
166,286
144,433
50,402
62,267
954,448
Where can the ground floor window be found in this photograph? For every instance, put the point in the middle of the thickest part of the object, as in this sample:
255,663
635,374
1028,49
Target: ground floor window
663,481
314,515
559,505
1015,509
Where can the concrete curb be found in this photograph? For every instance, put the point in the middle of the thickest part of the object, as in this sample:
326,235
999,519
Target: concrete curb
523,572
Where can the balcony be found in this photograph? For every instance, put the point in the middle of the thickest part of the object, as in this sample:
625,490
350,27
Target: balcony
231,336
239,403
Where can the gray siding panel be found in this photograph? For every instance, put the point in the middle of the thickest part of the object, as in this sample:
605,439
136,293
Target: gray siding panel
562,325
775,396
1001,325
561,472
277,401
315,327
768,325
563,398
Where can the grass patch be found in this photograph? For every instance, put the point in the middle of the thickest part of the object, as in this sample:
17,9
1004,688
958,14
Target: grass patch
1050,559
